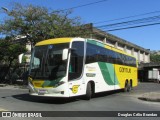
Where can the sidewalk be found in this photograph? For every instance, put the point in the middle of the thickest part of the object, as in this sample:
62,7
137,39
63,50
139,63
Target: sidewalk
151,96
5,86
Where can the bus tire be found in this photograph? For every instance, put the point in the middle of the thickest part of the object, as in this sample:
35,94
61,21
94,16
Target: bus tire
127,87
88,92
131,85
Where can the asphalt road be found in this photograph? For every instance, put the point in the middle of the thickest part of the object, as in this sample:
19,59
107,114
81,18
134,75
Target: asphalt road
14,99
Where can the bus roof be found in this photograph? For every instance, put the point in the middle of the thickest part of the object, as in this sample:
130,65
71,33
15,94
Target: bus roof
54,41
67,40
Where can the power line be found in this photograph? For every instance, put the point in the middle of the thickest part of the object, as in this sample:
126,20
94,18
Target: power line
126,23
132,27
92,3
127,17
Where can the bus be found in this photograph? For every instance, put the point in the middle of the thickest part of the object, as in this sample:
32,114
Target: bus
68,67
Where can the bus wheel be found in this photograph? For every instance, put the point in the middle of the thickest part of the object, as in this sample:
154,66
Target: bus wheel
88,92
127,87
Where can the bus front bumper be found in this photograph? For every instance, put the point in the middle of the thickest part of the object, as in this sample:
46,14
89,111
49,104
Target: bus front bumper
60,91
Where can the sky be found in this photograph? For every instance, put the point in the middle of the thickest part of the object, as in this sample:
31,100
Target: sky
107,10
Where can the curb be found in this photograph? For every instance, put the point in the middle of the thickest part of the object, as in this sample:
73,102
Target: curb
152,96
3,110
149,99
3,85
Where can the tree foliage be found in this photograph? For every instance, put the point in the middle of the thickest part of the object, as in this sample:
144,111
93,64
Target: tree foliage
38,23
9,53
155,58
34,23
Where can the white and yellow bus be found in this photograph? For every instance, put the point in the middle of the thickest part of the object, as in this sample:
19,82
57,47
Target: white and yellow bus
67,67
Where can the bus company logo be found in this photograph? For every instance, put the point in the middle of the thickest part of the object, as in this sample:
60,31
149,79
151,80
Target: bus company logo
6,114
90,68
75,89
124,69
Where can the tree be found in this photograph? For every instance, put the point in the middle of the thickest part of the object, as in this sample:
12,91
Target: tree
155,58
34,23
38,23
9,53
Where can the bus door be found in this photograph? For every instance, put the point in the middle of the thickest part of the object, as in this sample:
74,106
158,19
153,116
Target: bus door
76,64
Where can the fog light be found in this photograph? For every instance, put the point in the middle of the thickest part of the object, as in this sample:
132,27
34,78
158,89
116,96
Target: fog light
62,92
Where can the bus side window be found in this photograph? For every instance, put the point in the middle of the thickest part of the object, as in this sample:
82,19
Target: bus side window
70,69
77,60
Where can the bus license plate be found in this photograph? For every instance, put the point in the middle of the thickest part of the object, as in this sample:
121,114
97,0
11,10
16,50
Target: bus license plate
42,92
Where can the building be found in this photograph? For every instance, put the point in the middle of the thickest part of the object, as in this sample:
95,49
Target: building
23,41
155,52
141,54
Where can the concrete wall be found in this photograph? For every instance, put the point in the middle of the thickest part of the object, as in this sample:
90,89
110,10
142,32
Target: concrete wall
141,56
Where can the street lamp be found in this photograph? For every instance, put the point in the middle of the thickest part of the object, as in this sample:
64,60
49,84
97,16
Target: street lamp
5,9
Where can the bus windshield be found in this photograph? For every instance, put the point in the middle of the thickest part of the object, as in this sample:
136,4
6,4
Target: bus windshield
46,62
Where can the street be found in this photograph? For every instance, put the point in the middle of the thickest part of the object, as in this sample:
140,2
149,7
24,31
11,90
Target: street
18,100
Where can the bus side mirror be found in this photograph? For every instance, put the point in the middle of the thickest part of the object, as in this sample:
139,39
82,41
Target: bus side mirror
65,54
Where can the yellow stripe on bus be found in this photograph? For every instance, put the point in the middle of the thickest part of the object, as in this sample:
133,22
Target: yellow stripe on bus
38,84
54,41
117,50
126,73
